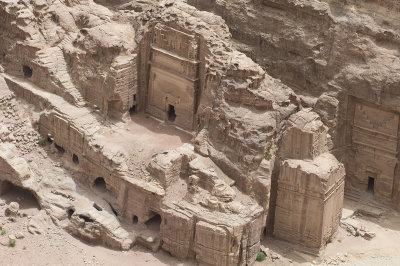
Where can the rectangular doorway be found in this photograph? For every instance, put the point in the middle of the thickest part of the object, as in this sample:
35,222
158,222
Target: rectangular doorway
171,113
371,184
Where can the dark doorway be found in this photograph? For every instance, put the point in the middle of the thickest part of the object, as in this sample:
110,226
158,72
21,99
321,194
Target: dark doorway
135,219
75,159
371,184
27,71
59,148
154,223
70,213
132,110
171,113
100,185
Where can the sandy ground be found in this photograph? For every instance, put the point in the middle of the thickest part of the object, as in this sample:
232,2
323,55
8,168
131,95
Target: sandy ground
147,136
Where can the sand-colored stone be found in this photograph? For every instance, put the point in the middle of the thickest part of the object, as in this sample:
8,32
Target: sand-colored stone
194,126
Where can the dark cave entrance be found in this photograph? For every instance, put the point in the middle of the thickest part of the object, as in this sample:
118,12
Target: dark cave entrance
70,213
100,185
28,72
154,223
75,159
25,198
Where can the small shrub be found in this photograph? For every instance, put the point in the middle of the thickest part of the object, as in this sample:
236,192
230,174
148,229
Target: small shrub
42,141
3,232
271,151
24,248
357,233
11,242
260,256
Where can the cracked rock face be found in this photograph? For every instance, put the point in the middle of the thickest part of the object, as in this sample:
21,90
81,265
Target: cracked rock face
191,126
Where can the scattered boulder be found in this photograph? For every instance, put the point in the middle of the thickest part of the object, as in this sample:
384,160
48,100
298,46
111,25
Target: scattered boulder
275,256
12,209
4,131
38,223
264,249
367,234
352,226
4,242
19,235
349,227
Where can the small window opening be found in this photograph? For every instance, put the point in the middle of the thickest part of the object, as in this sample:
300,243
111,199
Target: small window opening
100,184
86,219
27,71
54,18
70,213
171,113
134,97
97,207
135,219
59,148
75,159
371,184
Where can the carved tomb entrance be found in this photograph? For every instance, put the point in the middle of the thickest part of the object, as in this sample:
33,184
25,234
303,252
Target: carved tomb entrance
372,148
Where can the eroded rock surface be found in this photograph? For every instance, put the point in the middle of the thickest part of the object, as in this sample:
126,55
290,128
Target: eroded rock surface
261,103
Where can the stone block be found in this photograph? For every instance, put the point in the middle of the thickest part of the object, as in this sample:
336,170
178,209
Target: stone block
309,200
306,136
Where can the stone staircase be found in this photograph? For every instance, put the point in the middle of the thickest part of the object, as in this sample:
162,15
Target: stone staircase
53,60
67,40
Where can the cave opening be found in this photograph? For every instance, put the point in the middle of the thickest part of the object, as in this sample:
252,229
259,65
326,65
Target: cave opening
25,198
70,213
154,223
100,184
75,159
28,72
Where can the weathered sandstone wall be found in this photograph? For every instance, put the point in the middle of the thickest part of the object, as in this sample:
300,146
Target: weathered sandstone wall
332,54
